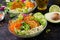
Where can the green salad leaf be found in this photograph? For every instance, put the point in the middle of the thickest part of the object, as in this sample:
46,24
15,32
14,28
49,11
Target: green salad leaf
12,15
6,10
9,4
17,0
43,22
25,26
18,32
40,18
20,17
25,10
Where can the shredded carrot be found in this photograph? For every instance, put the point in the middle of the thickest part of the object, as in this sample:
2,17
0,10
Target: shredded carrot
27,18
30,5
16,25
16,5
11,27
32,23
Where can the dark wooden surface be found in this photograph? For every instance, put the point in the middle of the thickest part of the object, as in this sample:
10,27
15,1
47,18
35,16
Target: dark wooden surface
54,34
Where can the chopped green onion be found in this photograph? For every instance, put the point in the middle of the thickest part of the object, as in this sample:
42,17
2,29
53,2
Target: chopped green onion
48,30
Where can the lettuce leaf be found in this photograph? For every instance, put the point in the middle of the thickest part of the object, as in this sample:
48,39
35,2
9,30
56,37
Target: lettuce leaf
9,4
20,17
40,18
25,26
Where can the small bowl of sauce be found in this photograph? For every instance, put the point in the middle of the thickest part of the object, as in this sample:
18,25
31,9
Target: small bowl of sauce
2,15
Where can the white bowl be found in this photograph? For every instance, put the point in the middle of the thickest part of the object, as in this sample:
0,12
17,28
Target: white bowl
15,11
32,32
2,16
48,16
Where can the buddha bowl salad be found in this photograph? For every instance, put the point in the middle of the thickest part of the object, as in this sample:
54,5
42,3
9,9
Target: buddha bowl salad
27,25
22,6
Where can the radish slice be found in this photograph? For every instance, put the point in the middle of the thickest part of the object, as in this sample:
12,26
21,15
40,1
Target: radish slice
2,8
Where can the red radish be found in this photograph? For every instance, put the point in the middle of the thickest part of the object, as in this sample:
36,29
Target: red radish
2,8
23,0
24,15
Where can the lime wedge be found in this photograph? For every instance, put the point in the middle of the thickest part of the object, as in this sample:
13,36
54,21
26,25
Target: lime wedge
54,8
